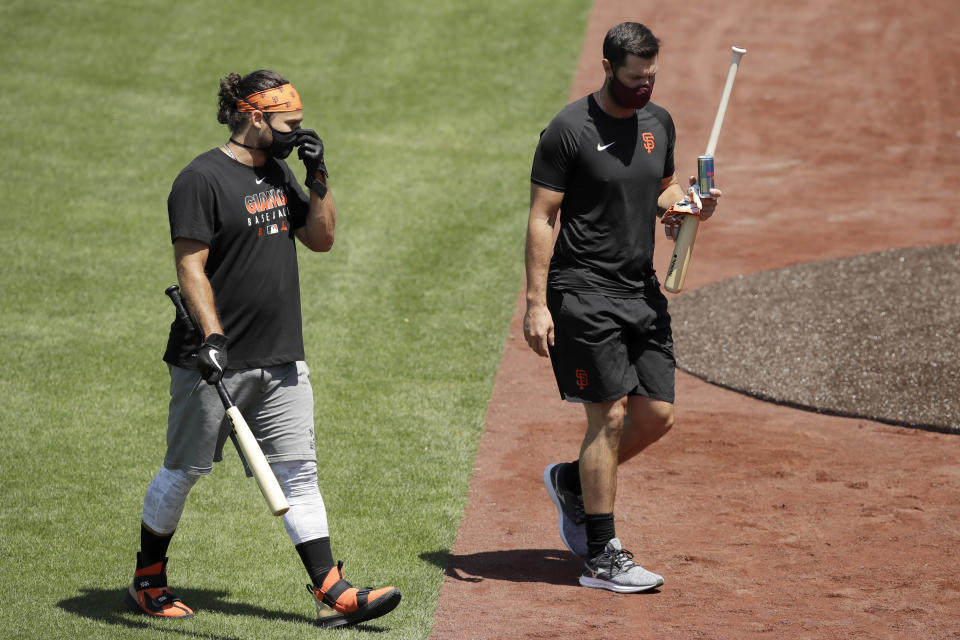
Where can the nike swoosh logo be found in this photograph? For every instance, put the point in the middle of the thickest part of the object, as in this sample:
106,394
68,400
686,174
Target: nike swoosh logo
599,148
261,179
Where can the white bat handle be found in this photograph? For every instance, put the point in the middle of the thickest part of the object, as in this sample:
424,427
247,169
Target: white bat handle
738,53
683,248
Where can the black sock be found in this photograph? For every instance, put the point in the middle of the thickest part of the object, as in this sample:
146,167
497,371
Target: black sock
570,477
153,547
600,531
317,558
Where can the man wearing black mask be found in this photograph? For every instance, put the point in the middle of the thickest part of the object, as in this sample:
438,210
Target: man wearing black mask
235,214
595,306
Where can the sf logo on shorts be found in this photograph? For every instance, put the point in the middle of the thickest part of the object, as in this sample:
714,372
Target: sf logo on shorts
582,380
649,142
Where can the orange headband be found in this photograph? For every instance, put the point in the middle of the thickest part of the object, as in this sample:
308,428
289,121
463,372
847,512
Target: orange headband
282,98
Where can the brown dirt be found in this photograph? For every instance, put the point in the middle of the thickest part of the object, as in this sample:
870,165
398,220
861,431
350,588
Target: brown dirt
890,351
841,139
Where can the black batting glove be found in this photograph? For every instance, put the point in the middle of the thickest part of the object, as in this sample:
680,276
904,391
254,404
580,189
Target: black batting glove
212,358
311,152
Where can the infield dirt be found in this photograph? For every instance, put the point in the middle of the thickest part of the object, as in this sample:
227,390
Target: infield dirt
842,138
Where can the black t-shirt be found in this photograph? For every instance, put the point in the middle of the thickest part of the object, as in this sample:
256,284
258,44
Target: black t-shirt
247,216
609,171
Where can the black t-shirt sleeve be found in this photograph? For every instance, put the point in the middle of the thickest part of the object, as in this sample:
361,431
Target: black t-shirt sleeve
555,156
191,207
668,167
299,201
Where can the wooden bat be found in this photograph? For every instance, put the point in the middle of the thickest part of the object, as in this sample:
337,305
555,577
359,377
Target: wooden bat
683,249
250,452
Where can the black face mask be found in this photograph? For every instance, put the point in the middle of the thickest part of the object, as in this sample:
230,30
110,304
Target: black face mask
280,147
282,144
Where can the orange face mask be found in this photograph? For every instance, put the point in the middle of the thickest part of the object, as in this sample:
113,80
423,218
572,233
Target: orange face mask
275,100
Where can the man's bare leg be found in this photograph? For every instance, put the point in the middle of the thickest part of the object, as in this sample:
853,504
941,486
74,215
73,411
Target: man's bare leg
608,565
610,440
599,455
647,421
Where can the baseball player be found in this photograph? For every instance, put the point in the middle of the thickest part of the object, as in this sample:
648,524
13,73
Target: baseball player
595,307
235,213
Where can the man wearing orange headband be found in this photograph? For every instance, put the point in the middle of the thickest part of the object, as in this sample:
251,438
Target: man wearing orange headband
235,214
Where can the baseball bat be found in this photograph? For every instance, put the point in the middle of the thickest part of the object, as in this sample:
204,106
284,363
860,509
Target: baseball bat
683,249
241,435
173,292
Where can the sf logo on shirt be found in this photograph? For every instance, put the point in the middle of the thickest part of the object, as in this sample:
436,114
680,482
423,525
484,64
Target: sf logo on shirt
649,142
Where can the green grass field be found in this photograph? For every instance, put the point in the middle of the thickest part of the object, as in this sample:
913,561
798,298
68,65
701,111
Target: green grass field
429,110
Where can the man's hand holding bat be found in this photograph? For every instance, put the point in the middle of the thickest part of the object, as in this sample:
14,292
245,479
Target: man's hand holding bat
693,203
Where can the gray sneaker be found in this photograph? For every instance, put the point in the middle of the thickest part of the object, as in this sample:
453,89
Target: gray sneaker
571,518
614,569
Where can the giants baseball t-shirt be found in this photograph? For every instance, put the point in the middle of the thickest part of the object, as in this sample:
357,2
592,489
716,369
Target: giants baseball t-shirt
247,216
609,171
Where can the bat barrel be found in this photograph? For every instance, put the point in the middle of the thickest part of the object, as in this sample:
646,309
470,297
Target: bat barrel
266,480
682,251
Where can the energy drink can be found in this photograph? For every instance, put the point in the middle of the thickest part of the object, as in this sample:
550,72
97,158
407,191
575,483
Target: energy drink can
704,175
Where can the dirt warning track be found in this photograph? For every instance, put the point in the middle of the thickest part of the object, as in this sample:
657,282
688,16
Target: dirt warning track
842,138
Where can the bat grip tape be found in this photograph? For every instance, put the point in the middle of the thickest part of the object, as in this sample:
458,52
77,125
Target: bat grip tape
224,396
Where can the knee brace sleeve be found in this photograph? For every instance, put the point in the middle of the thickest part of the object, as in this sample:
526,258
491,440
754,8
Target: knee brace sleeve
307,518
165,499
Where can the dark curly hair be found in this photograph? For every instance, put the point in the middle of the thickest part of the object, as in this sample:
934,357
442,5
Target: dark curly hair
234,87
629,37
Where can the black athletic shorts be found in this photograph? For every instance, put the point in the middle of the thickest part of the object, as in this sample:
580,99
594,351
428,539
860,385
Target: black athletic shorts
606,348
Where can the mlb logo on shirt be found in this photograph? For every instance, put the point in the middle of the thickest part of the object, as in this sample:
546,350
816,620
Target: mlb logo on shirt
272,229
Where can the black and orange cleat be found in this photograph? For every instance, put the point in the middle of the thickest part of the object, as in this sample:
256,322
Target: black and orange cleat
340,603
148,593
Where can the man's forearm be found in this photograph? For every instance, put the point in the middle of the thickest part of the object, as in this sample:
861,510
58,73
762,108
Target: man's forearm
199,296
538,250
190,257
671,194
321,222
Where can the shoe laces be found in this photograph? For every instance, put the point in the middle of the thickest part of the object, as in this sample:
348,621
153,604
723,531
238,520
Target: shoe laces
622,560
